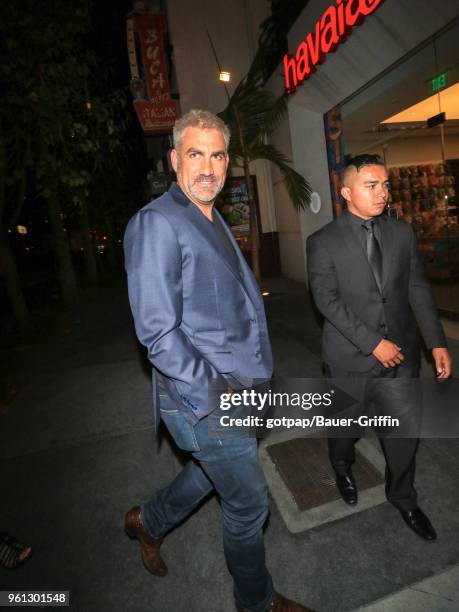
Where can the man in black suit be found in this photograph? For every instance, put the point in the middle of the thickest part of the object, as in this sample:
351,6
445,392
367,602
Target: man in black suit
367,281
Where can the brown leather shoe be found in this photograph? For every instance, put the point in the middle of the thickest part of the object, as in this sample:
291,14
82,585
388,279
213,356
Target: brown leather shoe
280,604
149,546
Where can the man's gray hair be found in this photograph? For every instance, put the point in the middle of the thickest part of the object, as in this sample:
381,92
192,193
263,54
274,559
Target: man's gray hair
199,118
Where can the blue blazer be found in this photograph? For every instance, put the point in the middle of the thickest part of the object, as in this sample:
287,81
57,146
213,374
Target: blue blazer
200,316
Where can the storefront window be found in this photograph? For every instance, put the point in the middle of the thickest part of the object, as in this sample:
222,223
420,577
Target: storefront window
410,116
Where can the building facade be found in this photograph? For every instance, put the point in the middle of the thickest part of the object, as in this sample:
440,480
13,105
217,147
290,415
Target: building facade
370,74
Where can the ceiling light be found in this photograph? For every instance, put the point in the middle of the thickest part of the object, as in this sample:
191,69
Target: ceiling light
449,103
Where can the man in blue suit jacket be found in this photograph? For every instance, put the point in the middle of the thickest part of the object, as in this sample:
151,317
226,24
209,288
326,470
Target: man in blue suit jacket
198,310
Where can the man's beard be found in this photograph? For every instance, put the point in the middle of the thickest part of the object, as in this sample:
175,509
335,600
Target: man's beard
206,195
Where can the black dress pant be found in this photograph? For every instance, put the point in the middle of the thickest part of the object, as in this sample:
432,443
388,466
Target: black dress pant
390,392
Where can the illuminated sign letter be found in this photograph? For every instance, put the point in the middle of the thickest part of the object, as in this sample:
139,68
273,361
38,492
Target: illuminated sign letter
329,39
330,31
290,70
302,59
368,6
353,15
314,46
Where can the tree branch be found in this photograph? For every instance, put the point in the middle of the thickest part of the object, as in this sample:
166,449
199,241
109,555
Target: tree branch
2,174
22,188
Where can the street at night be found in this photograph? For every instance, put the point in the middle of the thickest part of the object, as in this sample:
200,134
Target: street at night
229,305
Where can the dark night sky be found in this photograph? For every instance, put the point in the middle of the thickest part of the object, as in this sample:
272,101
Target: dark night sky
110,37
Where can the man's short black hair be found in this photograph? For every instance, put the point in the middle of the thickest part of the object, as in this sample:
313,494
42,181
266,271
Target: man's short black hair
366,159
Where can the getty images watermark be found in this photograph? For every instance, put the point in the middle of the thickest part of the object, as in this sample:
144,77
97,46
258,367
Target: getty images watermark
252,398
319,407
306,401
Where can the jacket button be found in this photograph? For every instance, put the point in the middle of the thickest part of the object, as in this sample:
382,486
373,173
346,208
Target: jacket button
253,321
384,300
383,325
257,354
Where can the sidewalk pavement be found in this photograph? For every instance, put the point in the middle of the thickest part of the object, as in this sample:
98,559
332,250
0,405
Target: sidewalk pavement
77,450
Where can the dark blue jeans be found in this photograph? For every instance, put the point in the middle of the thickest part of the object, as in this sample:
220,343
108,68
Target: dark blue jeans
230,467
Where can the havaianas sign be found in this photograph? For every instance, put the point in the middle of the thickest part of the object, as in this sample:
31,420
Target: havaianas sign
330,31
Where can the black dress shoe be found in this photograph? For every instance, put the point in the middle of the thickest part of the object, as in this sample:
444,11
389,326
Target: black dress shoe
347,488
419,523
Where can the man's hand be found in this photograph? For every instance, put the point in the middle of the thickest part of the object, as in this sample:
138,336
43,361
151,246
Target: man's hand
389,354
443,363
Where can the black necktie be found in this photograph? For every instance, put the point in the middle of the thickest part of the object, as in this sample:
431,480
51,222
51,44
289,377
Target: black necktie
374,255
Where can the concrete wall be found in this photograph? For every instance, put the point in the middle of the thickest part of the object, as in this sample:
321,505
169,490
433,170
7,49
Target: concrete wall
285,214
196,69
234,29
309,152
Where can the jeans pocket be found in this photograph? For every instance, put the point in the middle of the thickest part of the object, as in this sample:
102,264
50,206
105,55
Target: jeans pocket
181,430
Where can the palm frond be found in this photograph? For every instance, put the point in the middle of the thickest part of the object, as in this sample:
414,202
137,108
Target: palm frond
255,73
252,114
276,113
297,187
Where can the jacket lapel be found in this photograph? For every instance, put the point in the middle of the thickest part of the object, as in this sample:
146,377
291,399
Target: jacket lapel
207,230
204,227
357,251
387,247
244,273
355,247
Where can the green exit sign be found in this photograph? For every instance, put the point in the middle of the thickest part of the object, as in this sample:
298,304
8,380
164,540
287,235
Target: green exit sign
438,82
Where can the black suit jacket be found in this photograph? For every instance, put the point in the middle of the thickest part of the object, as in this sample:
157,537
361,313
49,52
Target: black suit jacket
357,314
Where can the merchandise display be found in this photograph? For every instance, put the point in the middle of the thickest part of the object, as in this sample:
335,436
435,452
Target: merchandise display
425,197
